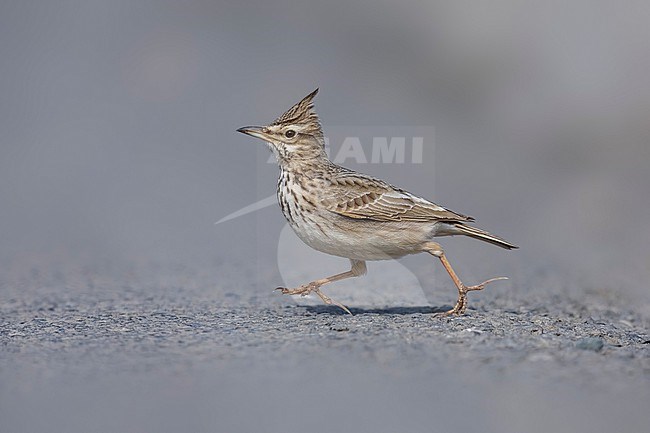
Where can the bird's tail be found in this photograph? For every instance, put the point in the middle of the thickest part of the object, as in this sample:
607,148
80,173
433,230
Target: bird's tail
484,236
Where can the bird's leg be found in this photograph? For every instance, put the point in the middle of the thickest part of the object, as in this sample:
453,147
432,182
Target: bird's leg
358,268
461,304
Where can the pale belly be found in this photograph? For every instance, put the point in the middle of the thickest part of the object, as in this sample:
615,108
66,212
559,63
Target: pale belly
364,240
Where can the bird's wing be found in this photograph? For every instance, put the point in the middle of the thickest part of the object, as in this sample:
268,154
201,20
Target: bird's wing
363,197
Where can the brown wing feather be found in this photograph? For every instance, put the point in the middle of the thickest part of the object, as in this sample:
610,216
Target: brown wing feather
363,197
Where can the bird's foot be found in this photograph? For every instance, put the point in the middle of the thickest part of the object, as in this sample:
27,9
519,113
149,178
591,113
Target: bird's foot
303,290
482,285
461,303
306,289
459,308
330,301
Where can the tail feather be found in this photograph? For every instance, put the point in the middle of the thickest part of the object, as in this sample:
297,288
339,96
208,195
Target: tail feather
484,236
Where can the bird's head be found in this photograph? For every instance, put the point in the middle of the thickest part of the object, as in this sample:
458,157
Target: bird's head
297,134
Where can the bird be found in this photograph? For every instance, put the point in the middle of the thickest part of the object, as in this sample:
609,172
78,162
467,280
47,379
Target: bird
348,214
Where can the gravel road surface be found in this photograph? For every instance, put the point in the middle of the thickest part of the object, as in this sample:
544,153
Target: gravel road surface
109,356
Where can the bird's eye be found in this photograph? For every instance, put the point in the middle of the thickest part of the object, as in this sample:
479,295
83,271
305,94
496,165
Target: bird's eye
290,133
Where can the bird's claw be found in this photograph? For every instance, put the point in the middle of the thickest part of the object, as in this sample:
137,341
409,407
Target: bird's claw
306,289
483,284
461,303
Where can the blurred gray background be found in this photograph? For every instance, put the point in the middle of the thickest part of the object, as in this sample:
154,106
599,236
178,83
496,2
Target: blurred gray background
118,122
118,149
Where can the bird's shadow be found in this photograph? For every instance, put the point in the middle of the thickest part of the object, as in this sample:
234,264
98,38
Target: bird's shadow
336,311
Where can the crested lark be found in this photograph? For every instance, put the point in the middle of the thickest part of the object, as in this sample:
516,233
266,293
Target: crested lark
344,213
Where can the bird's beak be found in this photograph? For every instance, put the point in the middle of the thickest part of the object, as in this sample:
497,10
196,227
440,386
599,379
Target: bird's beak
256,131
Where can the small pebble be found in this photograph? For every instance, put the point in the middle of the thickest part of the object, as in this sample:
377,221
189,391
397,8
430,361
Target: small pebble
590,343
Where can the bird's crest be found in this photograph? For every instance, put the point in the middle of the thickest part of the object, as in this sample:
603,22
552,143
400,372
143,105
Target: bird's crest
303,114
